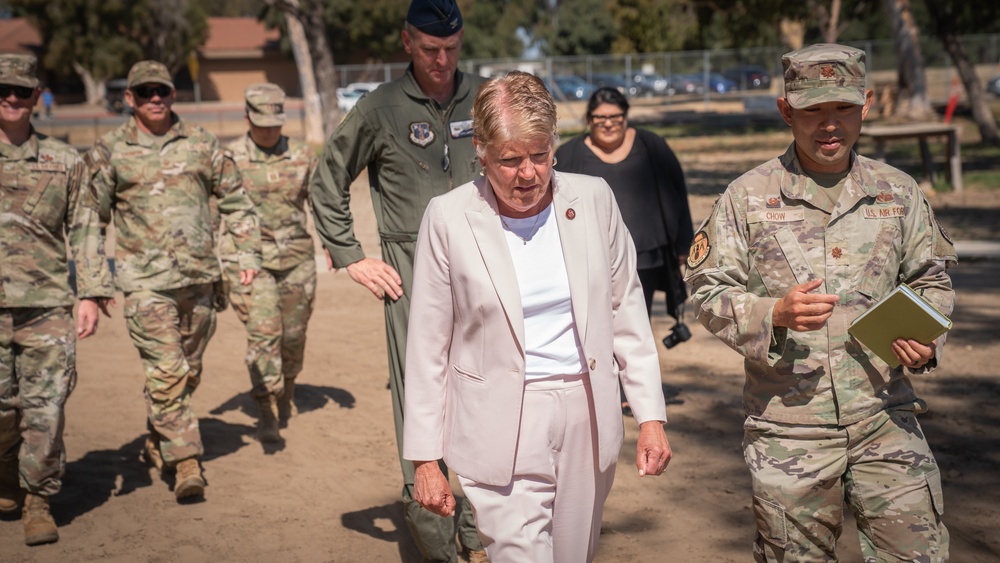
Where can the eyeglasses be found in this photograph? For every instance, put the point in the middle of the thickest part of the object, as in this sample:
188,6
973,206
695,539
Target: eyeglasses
446,161
615,118
147,91
21,92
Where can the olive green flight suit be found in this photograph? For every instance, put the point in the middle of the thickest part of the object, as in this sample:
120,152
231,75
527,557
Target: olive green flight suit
414,149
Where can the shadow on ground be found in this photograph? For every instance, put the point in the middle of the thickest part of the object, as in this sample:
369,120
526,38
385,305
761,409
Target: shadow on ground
384,523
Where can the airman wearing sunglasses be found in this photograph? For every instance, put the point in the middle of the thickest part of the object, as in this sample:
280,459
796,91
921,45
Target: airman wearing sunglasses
41,180
155,175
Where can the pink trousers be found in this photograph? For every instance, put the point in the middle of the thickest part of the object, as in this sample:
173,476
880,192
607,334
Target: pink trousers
551,511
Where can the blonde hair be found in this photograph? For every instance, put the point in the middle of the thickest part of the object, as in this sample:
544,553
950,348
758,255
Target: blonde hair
516,104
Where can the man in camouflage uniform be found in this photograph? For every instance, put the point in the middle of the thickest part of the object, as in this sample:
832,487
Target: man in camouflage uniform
157,173
41,180
277,306
414,135
794,251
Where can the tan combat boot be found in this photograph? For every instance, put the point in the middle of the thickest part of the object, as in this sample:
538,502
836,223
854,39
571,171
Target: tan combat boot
189,480
286,401
267,426
39,527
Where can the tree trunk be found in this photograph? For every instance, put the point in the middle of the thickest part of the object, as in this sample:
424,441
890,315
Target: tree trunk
309,13
93,88
912,102
313,127
827,20
981,113
322,57
793,33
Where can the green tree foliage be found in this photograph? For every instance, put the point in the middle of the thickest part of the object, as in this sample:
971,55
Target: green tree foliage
579,27
365,30
491,27
654,26
105,37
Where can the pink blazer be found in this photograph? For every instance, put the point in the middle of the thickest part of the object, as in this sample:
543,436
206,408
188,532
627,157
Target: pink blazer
465,356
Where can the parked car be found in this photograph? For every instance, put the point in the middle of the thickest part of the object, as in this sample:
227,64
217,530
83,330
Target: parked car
569,87
631,90
720,84
659,84
993,86
114,96
350,94
685,84
749,77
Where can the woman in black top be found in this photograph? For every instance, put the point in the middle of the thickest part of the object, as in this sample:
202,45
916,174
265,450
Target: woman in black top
648,183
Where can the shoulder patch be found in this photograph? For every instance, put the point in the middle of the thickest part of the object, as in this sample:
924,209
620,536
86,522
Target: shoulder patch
701,247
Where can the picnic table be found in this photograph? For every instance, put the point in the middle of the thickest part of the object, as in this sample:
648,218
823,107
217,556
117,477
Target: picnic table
921,131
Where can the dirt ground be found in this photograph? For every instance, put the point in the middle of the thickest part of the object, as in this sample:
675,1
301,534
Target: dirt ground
330,492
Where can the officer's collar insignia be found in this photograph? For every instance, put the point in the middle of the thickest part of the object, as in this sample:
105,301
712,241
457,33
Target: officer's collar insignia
884,197
421,134
773,202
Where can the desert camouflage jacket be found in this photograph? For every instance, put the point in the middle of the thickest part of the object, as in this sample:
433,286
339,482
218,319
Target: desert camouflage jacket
773,229
160,198
41,182
278,183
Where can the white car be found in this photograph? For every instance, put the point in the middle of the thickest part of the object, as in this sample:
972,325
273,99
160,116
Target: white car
350,94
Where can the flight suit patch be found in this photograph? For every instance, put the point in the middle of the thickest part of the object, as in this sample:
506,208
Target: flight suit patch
421,134
461,129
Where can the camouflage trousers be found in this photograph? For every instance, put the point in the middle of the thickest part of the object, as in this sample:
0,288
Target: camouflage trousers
883,468
37,375
171,329
275,309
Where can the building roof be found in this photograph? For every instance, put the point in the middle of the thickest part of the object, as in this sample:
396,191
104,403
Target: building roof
238,38
17,36
227,38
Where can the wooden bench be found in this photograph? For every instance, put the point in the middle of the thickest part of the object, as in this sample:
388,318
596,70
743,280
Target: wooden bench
921,131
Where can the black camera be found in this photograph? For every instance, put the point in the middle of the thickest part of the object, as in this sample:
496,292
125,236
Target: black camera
680,333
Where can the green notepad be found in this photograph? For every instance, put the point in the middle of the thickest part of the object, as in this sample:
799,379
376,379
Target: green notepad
901,314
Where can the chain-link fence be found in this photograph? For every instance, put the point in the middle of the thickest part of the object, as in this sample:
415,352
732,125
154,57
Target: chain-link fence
714,73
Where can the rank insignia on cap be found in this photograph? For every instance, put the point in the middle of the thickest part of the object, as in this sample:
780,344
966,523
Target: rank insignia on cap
701,247
421,134
827,72
884,197
571,214
773,202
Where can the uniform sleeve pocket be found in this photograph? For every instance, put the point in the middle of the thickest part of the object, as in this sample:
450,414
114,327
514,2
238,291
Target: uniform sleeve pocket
781,263
771,523
46,204
937,495
881,269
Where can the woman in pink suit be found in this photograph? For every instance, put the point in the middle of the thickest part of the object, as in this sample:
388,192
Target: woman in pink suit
526,312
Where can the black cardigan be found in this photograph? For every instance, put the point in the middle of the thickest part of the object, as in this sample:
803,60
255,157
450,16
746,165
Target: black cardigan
673,203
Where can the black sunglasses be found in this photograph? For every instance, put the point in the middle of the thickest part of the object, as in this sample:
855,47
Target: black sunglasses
147,91
22,92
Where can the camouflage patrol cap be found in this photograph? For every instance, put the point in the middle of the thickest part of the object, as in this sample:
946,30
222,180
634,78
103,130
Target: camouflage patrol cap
18,70
265,105
824,73
145,72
